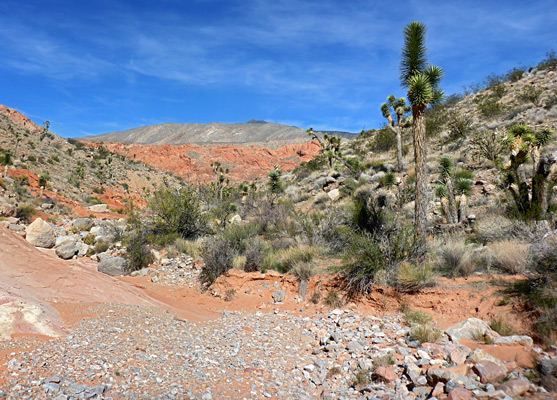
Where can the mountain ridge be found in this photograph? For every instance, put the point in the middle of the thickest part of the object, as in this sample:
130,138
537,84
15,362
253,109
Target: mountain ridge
215,133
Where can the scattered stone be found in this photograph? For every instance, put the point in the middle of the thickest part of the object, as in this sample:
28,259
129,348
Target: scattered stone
83,224
489,372
386,374
67,250
279,296
40,234
334,194
459,394
515,387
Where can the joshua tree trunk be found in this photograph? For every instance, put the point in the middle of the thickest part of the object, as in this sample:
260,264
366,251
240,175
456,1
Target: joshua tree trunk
6,171
452,217
463,208
420,207
539,186
399,149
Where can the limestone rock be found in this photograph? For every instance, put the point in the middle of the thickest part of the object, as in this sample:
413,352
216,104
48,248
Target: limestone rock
83,224
334,194
489,372
515,339
515,387
40,234
67,250
469,329
279,296
6,208
115,266
99,208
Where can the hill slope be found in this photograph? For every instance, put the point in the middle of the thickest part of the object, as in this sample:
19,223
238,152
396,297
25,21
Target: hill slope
250,132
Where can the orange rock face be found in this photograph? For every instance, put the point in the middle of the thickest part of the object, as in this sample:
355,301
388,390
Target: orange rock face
19,118
193,163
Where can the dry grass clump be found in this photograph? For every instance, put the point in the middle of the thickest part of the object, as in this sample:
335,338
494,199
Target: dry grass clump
456,258
509,256
501,326
417,317
497,227
412,277
285,260
303,270
190,247
426,333
333,299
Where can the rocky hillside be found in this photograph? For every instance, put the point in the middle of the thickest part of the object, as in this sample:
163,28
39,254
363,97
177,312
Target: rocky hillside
251,132
75,174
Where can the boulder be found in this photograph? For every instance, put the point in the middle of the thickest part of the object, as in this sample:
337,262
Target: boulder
41,234
61,240
334,194
114,266
459,394
235,219
479,355
469,329
6,208
83,224
67,250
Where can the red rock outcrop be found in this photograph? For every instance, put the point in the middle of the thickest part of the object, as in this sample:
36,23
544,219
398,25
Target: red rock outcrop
193,162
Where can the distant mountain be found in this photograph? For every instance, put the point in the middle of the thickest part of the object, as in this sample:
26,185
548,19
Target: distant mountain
251,132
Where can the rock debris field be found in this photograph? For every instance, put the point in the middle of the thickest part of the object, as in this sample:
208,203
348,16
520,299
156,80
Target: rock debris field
136,352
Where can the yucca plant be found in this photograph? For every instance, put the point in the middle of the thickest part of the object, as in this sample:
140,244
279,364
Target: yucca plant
524,142
400,108
422,83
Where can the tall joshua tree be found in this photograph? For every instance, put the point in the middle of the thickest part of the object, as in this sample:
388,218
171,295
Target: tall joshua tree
421,80
400,108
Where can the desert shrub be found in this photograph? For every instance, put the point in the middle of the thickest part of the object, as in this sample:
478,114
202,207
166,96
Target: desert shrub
388,180
383,361
240,234
26,212
178,211
189,247
549,63
3,183
303,270
369,257
530,94
333,299
32,158
218,256
455,258
515,74
435,120
362,378
414,276
496,227
459,126
89,239
306,168
489,107
416,317
101,247
543,255
137,251
426,333
488,145
384,140
501,326
22,180
509,256
348,187
254,254
546,326
285,260
239,262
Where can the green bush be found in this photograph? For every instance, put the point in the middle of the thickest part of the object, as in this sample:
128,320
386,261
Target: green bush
26,212
218,255
137,251
549,63
178,212
384,140
489,107
370,256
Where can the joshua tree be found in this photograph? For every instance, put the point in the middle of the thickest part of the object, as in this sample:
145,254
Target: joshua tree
43,181
274,184
523,142
221,179
400,108
450,184
330,145
422,82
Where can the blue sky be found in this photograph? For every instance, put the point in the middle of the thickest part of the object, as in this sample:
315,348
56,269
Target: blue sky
92,67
